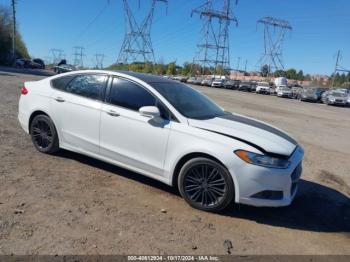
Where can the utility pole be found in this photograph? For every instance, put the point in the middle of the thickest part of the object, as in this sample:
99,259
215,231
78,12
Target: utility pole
213,48
274,33
14,30
137,44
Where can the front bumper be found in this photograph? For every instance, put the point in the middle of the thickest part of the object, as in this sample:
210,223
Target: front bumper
253,180
335,102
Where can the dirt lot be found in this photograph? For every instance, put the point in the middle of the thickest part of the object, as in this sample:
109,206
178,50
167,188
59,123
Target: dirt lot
71,204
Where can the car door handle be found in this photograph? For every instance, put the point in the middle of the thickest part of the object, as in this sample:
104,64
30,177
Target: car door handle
59,99
112,113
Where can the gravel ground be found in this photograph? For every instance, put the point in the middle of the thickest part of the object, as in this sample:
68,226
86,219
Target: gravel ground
72,204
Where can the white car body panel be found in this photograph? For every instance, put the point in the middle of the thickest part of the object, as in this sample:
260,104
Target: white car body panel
132,141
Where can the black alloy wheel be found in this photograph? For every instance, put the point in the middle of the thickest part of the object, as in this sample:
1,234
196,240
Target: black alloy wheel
206,184
44,134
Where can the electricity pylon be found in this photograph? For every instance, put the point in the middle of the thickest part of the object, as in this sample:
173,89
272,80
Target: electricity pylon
213,49
57,55
274,33
98,61
137,44
78,56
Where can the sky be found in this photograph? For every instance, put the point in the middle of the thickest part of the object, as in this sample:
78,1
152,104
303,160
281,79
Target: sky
320,28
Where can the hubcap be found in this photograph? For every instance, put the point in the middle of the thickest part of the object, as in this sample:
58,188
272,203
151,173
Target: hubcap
42,134
205,185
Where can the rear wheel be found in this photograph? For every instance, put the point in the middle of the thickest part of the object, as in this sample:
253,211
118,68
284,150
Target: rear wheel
206,184
44,134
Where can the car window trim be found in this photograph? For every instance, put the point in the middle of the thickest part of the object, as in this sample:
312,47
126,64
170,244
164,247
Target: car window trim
108,97
102,93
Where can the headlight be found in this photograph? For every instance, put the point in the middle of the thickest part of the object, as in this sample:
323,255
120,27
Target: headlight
262,160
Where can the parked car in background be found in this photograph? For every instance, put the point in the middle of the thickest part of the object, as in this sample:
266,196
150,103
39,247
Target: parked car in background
244,86
263,88
180,78
335,97
19,63
27,63
284,91
65,68
191,80
164,130
198,81
253,86
229,84
218,83
296,91
40,62
207,82
312,94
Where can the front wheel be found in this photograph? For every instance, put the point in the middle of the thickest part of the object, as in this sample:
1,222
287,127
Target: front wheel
206,184
44,134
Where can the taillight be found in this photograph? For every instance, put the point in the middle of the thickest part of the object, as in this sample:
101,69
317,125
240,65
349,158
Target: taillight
24,90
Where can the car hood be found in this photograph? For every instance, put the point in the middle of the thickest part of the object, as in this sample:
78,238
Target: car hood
260,135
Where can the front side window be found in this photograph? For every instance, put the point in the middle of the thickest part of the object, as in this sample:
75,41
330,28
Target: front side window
90,86
130,95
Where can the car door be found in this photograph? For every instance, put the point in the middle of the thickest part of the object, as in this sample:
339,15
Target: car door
76,106
129,138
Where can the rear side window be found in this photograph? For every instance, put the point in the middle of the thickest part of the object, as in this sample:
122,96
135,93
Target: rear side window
61,82
90,86
129,95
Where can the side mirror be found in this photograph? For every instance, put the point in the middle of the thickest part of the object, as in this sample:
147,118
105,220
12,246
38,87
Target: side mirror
151,112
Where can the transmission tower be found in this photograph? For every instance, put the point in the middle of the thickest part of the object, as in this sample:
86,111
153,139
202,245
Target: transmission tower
338,68
57,55
98,61
274,33
137,44
78,56
213,50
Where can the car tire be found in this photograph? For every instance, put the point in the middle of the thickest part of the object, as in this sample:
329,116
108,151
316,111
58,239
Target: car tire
206,185
44,134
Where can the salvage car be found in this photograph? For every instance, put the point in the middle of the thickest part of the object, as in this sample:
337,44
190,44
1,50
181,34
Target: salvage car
284,91
312,94
165,130
218,83
207,82
245,86
263,88
336,98
64,68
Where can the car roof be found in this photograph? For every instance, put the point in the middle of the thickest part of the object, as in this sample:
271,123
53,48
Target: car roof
148,78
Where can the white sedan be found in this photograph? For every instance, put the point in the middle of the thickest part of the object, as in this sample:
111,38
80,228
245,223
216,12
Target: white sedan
165,130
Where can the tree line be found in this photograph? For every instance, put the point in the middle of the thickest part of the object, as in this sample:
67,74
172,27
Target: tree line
6,25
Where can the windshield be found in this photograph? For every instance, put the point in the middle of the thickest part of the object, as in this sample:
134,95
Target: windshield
283,88
338,94
264,84
188,101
